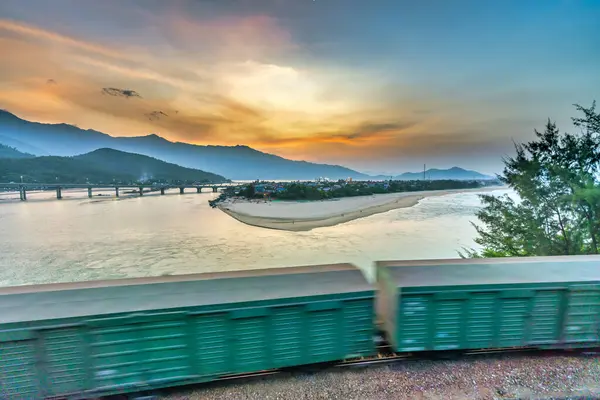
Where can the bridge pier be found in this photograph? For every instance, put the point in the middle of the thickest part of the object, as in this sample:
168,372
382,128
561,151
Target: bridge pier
181,190
141,191
23,194
162,190
198,190
90,192
215,189
116,192
58,193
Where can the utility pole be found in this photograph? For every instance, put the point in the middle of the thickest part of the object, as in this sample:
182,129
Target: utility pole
424,167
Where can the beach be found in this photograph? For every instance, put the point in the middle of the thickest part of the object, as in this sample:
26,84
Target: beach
307,215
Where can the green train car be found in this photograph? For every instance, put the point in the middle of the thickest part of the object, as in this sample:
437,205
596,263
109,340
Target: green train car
545,302
90,339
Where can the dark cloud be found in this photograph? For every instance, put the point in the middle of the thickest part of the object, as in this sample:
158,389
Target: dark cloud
369,129
155,115
127,93
51,82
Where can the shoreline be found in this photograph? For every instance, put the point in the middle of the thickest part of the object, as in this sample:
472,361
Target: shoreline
298,216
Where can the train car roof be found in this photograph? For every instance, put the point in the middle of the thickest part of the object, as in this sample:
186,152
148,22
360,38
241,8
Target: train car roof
77,299
458,272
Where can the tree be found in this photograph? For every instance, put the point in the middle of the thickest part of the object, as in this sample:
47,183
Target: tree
557,179
249,191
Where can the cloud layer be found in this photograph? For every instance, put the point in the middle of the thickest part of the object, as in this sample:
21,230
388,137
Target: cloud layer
209,73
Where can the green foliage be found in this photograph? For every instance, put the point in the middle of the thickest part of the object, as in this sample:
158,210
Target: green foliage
248,191
299,191
556,177
330,190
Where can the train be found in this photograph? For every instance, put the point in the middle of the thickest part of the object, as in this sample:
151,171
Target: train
92,339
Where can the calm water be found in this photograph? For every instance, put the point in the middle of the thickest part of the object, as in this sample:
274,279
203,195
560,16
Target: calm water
80,239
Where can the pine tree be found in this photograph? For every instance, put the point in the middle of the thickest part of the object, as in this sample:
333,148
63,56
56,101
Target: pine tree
557,180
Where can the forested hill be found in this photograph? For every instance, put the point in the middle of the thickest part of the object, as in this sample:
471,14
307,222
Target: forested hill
100,166
11,152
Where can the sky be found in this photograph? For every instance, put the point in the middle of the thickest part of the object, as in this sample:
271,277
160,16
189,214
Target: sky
382,86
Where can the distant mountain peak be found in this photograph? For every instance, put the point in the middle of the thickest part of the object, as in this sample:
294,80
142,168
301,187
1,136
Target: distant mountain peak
153,137
5,114
105,150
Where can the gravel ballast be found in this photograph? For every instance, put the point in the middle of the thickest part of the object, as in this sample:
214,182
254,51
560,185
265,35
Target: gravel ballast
478,377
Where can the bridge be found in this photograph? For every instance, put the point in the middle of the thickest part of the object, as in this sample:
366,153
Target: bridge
138,188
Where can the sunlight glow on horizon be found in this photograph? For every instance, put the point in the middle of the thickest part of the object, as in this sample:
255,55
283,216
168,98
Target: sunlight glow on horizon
280,79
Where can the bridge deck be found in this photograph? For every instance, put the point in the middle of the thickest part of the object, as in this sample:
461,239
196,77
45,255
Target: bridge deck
123,186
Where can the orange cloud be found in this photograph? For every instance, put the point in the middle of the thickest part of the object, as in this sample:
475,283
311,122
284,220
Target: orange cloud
365,134
139,72
223,86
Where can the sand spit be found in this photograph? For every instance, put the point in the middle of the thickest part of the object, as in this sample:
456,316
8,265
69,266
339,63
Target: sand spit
307,215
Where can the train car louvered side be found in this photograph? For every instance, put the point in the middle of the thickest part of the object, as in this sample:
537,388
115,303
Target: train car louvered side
126,353
539,317
64,369
412,323
492,306
357,329
134,351
283,335
582,315
39,363
213,328
210,338
287,345
19,373
481,320
250,342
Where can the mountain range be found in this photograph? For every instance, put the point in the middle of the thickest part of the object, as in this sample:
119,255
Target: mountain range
234,162
454,173
11,152
99,166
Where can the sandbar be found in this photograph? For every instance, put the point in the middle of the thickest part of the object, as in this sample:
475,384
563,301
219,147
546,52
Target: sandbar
307,215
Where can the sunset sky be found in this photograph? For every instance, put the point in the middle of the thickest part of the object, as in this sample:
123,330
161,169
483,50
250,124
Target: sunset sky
380,86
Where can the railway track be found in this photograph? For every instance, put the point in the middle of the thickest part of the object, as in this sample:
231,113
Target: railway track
386,356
